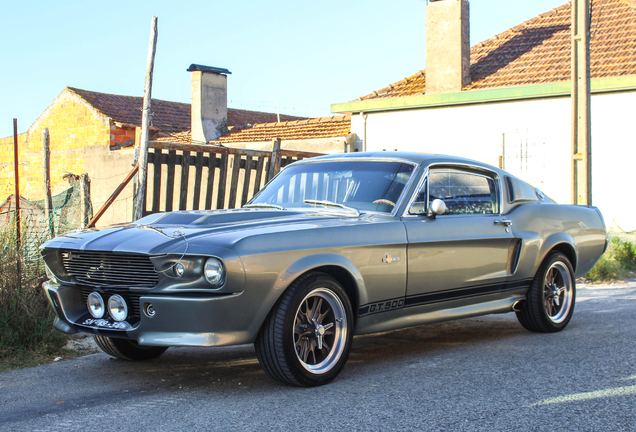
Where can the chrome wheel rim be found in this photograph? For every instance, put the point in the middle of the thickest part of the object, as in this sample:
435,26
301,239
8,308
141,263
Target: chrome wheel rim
320,331
557,292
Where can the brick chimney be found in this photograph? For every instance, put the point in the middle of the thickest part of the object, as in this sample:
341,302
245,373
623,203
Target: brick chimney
447,46
209,102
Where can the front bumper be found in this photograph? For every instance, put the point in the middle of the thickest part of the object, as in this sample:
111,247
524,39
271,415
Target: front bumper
179,320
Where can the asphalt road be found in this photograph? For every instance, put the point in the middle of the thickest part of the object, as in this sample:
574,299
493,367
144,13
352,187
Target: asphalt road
480,374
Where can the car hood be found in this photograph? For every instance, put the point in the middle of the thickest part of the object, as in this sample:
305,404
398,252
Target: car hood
166,232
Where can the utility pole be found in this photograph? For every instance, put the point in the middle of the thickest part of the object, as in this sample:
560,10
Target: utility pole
581,101
142,162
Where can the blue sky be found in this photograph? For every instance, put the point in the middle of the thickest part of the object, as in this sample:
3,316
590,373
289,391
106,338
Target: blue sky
303,55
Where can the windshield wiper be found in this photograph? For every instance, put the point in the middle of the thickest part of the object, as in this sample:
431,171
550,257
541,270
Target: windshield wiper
263,205
332,204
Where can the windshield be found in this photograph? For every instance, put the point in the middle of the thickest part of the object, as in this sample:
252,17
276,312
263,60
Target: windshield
362,185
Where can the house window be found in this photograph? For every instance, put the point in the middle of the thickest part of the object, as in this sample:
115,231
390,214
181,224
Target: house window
524,156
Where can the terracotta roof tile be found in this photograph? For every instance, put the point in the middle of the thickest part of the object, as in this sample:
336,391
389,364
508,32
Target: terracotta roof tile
323,127
166,116
538,51
175,137
242,118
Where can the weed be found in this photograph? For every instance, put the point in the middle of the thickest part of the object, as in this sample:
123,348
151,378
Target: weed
26,330
618,262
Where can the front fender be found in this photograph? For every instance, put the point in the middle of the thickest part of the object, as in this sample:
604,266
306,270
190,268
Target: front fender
311,262
266,281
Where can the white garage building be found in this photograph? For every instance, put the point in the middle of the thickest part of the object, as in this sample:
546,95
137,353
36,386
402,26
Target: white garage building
506,102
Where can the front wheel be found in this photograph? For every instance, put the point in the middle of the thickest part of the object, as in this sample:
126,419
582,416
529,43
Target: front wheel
550,300
306,338
127,349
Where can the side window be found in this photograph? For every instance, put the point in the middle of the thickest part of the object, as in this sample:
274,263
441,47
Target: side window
463,193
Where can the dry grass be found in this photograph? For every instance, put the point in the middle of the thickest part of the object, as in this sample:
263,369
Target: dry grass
27,336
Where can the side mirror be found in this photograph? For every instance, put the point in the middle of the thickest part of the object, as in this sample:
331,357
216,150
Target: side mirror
438,207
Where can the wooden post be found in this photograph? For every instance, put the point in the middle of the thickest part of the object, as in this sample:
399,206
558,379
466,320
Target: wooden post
581,101
84,203
18,234
46,177
145,124
274,165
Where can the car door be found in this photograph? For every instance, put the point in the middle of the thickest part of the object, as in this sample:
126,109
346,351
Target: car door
467,250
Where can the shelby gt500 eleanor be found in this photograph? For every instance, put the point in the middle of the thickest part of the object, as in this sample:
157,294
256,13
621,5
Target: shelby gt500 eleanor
331,247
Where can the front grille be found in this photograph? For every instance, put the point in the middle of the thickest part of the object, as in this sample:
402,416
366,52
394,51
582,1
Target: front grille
110,269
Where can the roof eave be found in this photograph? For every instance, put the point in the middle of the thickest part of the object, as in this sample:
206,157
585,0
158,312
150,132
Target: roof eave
470,97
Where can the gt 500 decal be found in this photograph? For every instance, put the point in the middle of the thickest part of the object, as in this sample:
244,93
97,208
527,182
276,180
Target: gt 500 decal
382,306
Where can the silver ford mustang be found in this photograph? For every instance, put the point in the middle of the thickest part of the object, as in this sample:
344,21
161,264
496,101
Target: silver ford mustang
333,246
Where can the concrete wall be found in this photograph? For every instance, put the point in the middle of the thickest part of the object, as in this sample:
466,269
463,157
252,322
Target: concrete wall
107,169
477,132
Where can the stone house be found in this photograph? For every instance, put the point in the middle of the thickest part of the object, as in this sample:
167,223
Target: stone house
95,133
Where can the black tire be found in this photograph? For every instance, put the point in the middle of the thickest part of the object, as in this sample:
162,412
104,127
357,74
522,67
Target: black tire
296,344
126,349
551,298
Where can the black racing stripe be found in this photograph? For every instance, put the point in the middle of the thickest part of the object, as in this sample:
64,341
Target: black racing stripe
464,292
439,296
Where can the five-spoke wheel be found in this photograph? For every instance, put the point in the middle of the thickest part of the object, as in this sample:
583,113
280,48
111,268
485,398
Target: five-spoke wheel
550,300
320,330
307,336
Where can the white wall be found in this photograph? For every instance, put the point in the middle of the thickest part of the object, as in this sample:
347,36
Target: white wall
476,132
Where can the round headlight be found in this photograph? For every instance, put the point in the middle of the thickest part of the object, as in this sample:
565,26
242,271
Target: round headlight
95,304
213,271
117,307
179,269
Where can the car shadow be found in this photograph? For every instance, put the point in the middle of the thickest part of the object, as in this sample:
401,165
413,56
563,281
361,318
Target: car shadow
237,367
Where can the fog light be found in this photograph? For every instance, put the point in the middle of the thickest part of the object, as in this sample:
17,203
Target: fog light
117,307
179,269
95,304
149,310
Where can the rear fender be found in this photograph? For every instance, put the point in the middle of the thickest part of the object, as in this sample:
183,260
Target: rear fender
564,243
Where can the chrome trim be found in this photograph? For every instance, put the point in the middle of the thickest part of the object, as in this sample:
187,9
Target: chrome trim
352,159
263,206
462,167
518,305
505,222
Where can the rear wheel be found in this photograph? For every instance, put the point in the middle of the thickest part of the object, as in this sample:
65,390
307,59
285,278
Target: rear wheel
550,300
306,338
126,349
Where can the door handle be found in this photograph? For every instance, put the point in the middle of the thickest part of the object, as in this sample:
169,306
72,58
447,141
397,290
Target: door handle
504,222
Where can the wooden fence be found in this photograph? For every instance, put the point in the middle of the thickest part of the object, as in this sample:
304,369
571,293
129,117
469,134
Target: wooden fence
193,177
197,176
